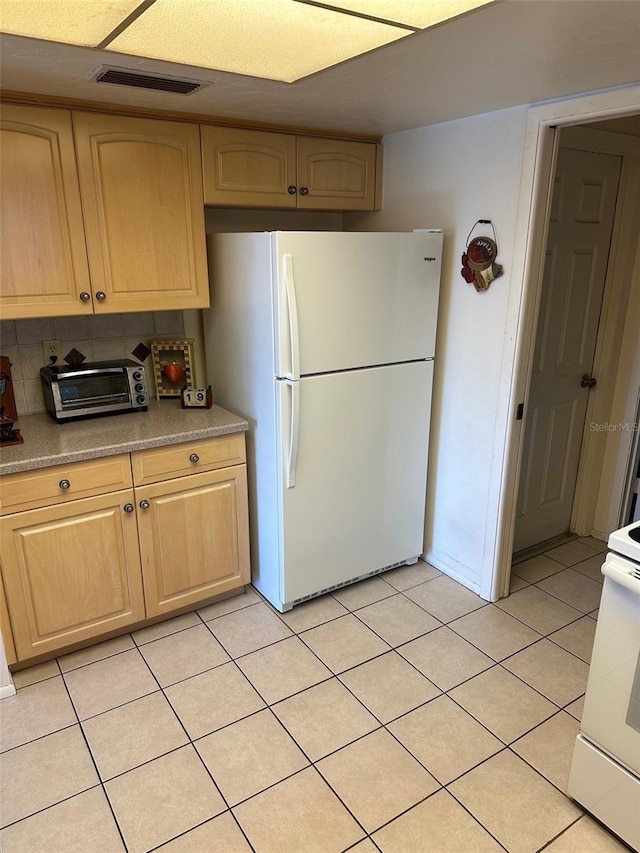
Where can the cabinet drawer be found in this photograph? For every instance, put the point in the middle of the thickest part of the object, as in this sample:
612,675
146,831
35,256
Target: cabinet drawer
178,460
42,487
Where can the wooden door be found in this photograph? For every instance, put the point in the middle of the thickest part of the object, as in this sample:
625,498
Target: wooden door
43,251
71,572
141,188
336,174
194,538
580,228
248,168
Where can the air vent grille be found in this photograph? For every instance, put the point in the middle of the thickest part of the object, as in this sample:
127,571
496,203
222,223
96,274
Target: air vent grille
122,77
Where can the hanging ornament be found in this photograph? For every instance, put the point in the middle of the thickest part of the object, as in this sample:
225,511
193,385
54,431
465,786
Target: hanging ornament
479,260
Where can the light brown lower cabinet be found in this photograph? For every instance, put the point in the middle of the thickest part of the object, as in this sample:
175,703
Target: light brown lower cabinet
71,572
193,538
83,567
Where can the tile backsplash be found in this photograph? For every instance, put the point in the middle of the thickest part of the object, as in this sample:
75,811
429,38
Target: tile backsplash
99,338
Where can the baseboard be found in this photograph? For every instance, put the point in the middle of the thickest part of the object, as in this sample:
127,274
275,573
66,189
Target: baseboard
541,547
451,572
7,690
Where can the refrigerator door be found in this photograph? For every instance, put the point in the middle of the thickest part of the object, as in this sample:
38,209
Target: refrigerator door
353,462
349,300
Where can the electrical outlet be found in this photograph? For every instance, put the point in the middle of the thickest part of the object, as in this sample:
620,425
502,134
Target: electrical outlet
51,352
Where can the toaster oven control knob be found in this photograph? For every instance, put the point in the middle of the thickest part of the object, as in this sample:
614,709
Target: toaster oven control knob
137,375
128,508
64,485
140,399
85,297
101,296
194,458
139,387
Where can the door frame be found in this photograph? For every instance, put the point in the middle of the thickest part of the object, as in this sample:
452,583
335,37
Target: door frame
538,168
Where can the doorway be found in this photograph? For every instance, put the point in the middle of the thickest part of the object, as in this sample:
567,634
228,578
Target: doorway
578,242
604,462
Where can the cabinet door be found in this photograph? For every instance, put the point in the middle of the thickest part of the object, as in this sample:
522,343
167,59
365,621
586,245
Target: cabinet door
141,188
194,538
336,174
71,572
43,252
248,168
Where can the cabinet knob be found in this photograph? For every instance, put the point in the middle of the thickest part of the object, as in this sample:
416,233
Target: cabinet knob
291,190
194,458
128,508
304,190
64,484
144,504
101,296
85,296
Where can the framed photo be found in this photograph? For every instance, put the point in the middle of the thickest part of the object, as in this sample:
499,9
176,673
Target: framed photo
172,366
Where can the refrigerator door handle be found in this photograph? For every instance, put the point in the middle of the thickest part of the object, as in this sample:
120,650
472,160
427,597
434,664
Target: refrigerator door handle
294,434
290,291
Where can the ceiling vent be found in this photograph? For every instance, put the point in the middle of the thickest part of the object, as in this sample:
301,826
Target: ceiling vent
125,77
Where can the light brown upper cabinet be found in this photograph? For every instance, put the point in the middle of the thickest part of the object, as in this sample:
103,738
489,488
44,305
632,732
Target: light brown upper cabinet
250,168
336,174
141,190
43,253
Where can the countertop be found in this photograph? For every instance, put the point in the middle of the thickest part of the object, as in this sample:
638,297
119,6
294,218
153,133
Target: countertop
47,442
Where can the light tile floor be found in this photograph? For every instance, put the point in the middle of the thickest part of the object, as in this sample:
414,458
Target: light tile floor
402,714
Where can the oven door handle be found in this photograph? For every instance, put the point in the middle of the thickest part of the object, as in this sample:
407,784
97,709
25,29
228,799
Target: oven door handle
622,576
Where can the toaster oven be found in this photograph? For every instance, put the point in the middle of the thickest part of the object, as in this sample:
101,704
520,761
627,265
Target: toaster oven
94,388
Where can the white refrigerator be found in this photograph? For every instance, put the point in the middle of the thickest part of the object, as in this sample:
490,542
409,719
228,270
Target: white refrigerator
324,342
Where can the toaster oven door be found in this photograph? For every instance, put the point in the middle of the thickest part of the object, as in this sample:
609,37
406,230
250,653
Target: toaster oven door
91,392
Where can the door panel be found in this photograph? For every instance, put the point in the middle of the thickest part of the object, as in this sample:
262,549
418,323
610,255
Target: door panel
249,168
582,213
44,257
71,572
360,474
141,189
193,538
337,174
361,298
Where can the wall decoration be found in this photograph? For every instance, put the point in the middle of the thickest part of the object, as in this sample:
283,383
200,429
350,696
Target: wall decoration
479,260
172,366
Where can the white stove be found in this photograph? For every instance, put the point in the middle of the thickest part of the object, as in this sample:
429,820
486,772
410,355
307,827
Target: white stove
626,541
605,774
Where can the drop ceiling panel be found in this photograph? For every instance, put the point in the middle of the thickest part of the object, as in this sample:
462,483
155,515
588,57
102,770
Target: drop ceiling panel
84,22
276,40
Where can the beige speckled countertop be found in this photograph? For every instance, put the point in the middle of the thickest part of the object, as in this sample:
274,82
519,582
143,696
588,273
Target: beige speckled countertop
47,442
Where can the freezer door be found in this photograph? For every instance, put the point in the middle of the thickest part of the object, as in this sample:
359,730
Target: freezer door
353,474
350,300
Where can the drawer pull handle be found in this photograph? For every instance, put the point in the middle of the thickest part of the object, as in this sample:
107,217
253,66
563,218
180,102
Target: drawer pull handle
144,504
128,508
101,296
194,458
64,484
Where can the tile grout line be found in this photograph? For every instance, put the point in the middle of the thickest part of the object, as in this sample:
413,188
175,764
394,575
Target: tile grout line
336,675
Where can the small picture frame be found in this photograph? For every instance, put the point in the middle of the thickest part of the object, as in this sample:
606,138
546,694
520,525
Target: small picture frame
172,366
